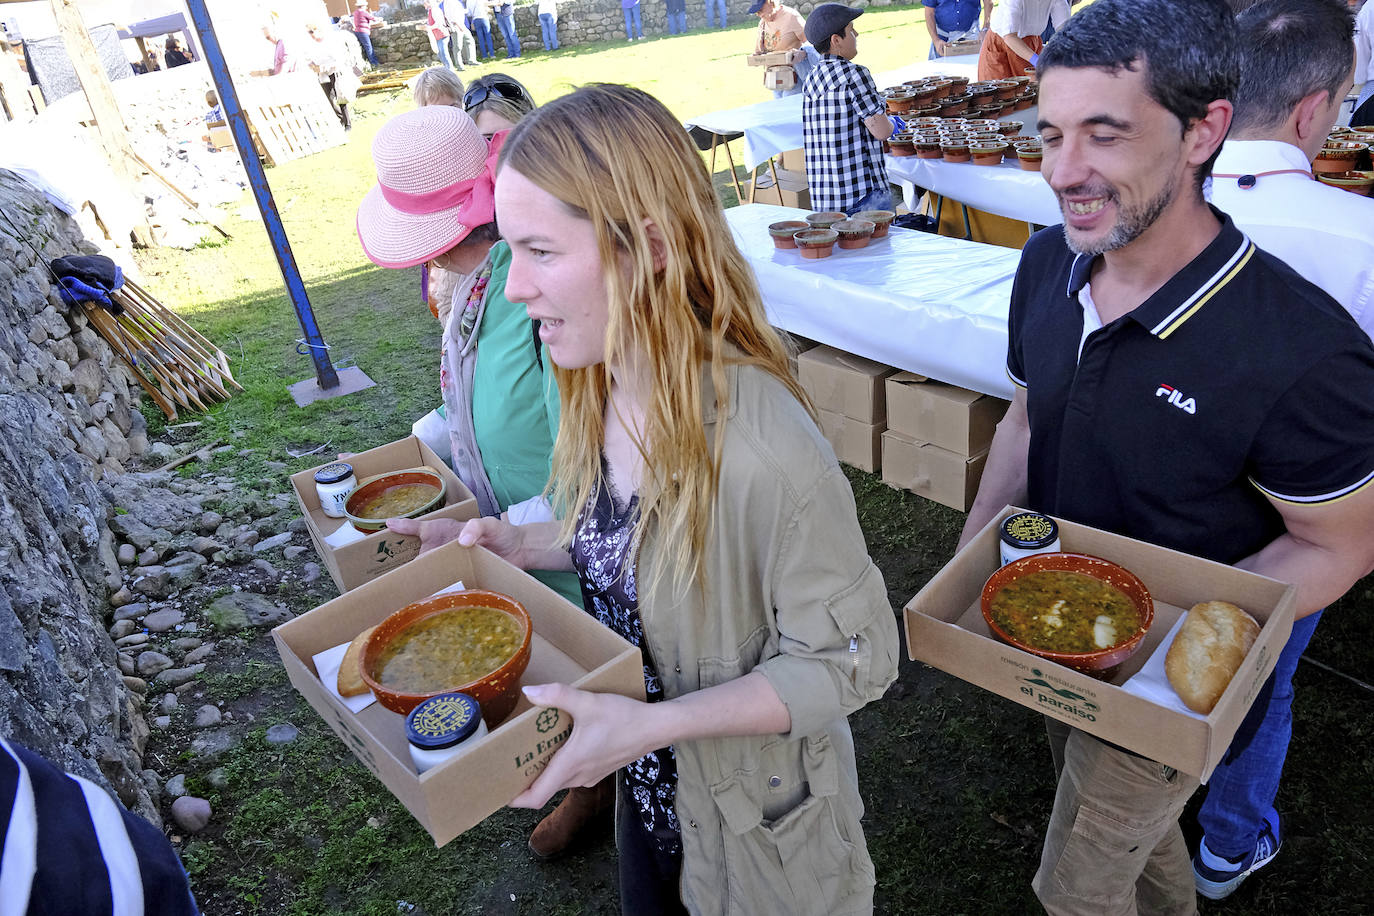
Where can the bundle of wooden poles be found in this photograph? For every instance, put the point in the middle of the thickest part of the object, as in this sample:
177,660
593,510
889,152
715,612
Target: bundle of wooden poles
173,362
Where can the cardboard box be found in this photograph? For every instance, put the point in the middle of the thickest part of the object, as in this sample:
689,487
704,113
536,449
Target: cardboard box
568,646
794,160
791,189
927,470
951,417
846,384
945,629
221,136
770,59
854,441
353,564
779,78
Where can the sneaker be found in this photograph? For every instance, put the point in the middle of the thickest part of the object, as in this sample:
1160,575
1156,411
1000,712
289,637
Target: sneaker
1217,883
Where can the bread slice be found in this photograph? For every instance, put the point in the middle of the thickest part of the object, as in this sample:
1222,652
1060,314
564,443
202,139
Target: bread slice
1208,651
351,682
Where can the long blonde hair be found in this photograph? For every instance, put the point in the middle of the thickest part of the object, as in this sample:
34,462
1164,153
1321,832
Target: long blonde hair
617,157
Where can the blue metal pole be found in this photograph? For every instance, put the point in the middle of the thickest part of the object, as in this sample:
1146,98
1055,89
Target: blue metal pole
257,180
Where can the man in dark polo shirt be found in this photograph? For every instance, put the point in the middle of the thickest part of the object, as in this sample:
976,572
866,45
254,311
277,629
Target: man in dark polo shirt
1174,384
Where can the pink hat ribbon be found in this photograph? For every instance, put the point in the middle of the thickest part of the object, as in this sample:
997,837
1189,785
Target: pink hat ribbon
475,195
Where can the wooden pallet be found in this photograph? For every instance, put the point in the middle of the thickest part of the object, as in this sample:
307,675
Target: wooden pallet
290,116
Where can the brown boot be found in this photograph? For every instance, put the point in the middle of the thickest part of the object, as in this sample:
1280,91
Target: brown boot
580,808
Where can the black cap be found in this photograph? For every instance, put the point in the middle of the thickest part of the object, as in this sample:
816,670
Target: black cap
829,19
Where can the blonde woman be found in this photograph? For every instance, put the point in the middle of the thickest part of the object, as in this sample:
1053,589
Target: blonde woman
706,518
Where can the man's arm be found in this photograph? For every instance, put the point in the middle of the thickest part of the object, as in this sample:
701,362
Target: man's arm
1019,46
934,36
1004,475
1325,550
987,14
880,125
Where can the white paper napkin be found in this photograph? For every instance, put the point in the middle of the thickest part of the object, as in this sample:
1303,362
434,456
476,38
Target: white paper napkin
327,663
1153,684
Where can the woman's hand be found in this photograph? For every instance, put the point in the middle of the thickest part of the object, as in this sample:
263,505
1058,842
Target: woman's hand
435,532
609,731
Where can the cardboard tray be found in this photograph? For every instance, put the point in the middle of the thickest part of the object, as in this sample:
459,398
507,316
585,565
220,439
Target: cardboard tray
769,59
382,551
568,646
945,629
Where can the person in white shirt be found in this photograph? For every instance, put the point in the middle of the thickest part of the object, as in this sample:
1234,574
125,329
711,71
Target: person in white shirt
1295,76
1013,40
1296,58
1364,65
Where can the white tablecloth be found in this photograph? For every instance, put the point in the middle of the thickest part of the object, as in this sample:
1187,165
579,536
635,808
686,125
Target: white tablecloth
774,126
923,302
1006,189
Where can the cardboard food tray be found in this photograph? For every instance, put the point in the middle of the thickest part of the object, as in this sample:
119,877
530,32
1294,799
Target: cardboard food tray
945,629
770,59
568,646
380,552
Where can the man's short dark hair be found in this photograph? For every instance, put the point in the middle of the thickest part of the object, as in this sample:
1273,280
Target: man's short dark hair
1290,49
1186,48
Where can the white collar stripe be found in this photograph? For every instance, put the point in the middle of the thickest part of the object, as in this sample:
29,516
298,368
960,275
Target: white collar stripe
1212,281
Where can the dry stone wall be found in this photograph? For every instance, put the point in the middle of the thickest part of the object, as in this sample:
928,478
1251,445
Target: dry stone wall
68,417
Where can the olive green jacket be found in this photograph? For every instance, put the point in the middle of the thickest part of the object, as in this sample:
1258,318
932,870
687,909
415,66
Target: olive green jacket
770,823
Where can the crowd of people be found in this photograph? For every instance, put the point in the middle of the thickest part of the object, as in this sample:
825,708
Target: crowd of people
604,326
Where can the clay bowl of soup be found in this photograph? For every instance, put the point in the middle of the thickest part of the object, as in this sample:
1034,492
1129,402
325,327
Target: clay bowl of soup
399,494
783,231
1082,612
881,220
1338,156
1355,182
475,642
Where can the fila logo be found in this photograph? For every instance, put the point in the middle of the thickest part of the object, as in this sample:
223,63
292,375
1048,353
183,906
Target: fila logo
1176,398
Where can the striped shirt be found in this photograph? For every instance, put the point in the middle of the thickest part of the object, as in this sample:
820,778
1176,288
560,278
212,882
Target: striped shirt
69,848
844,161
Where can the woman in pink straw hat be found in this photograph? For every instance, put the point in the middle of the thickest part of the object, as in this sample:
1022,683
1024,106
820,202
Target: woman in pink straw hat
433,202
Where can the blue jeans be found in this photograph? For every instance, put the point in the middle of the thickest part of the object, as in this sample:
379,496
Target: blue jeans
444,58
632,18
507,24
1243,786
365,42
716,4
481,30
877,199
677,22
548,26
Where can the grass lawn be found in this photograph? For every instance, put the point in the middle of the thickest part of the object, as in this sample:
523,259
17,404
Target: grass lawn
958,783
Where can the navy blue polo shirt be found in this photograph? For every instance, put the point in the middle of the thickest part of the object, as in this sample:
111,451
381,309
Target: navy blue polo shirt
1236,379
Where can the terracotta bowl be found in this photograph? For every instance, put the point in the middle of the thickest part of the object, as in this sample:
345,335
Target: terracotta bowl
496,692
817,243
826,219
900,144
854,233
1010,128
928,147
1354,182
988,152
1022,102
782,232
954,150
1338,156
881,220
943,89
1100,663
900,103
1029,157
1007,90
982,91
960,83
379,484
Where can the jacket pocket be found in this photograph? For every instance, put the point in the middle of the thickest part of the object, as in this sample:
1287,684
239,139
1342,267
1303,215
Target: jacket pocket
809,857
854,612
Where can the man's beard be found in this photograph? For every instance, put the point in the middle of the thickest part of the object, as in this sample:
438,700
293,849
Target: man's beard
1131,222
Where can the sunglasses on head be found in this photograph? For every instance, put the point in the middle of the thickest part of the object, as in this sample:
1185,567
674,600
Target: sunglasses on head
479,94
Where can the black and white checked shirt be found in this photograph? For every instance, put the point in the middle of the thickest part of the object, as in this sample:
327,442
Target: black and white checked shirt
843,160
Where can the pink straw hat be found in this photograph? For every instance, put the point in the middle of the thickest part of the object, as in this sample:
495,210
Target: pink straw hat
435,175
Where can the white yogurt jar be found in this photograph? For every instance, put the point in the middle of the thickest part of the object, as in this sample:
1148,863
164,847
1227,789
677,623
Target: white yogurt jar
442,728
333,483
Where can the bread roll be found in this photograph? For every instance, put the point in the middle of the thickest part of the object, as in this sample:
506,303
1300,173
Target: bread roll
1208,651
351,682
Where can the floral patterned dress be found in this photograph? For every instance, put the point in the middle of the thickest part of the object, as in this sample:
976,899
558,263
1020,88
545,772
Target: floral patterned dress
605,567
